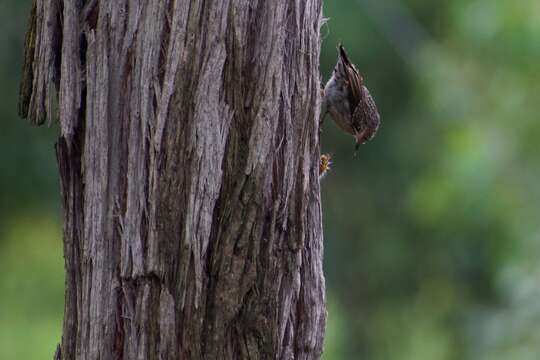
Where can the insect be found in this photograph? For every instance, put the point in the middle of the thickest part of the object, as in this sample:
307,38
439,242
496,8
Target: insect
349,102
324,165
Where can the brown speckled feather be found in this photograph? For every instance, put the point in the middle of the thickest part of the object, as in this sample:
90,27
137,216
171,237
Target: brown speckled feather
353,78
366,118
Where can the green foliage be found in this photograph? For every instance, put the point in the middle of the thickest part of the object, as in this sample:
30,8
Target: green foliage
423,226
31,287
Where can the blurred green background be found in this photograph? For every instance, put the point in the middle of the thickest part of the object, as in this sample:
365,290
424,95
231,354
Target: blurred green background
432,233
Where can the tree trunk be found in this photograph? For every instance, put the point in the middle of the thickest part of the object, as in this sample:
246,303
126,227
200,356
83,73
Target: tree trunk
188,158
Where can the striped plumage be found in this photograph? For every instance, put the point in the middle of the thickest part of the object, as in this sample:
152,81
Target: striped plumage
349,101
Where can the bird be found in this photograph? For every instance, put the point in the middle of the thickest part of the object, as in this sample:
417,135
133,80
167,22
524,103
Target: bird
349,102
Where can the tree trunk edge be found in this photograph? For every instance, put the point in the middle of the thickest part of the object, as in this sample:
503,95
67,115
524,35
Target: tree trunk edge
192,217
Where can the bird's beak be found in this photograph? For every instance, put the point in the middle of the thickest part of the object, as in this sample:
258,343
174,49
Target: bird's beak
360,138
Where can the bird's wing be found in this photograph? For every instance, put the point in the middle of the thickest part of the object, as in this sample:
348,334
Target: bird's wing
366,118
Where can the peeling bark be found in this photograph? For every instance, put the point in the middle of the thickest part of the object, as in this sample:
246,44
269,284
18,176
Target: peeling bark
188,158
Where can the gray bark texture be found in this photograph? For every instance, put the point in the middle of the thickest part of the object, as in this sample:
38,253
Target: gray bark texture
188,156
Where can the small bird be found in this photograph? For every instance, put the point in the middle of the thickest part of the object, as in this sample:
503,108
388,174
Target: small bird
349,101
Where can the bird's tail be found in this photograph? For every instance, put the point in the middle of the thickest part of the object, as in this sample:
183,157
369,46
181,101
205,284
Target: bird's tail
343,64
343,55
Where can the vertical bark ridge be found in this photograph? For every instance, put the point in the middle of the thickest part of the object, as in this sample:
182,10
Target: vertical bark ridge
70,72
71,190
41,62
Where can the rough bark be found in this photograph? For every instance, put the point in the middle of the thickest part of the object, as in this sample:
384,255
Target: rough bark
188,156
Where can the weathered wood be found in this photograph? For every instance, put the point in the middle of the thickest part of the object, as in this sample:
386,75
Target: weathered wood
41,62
189,163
